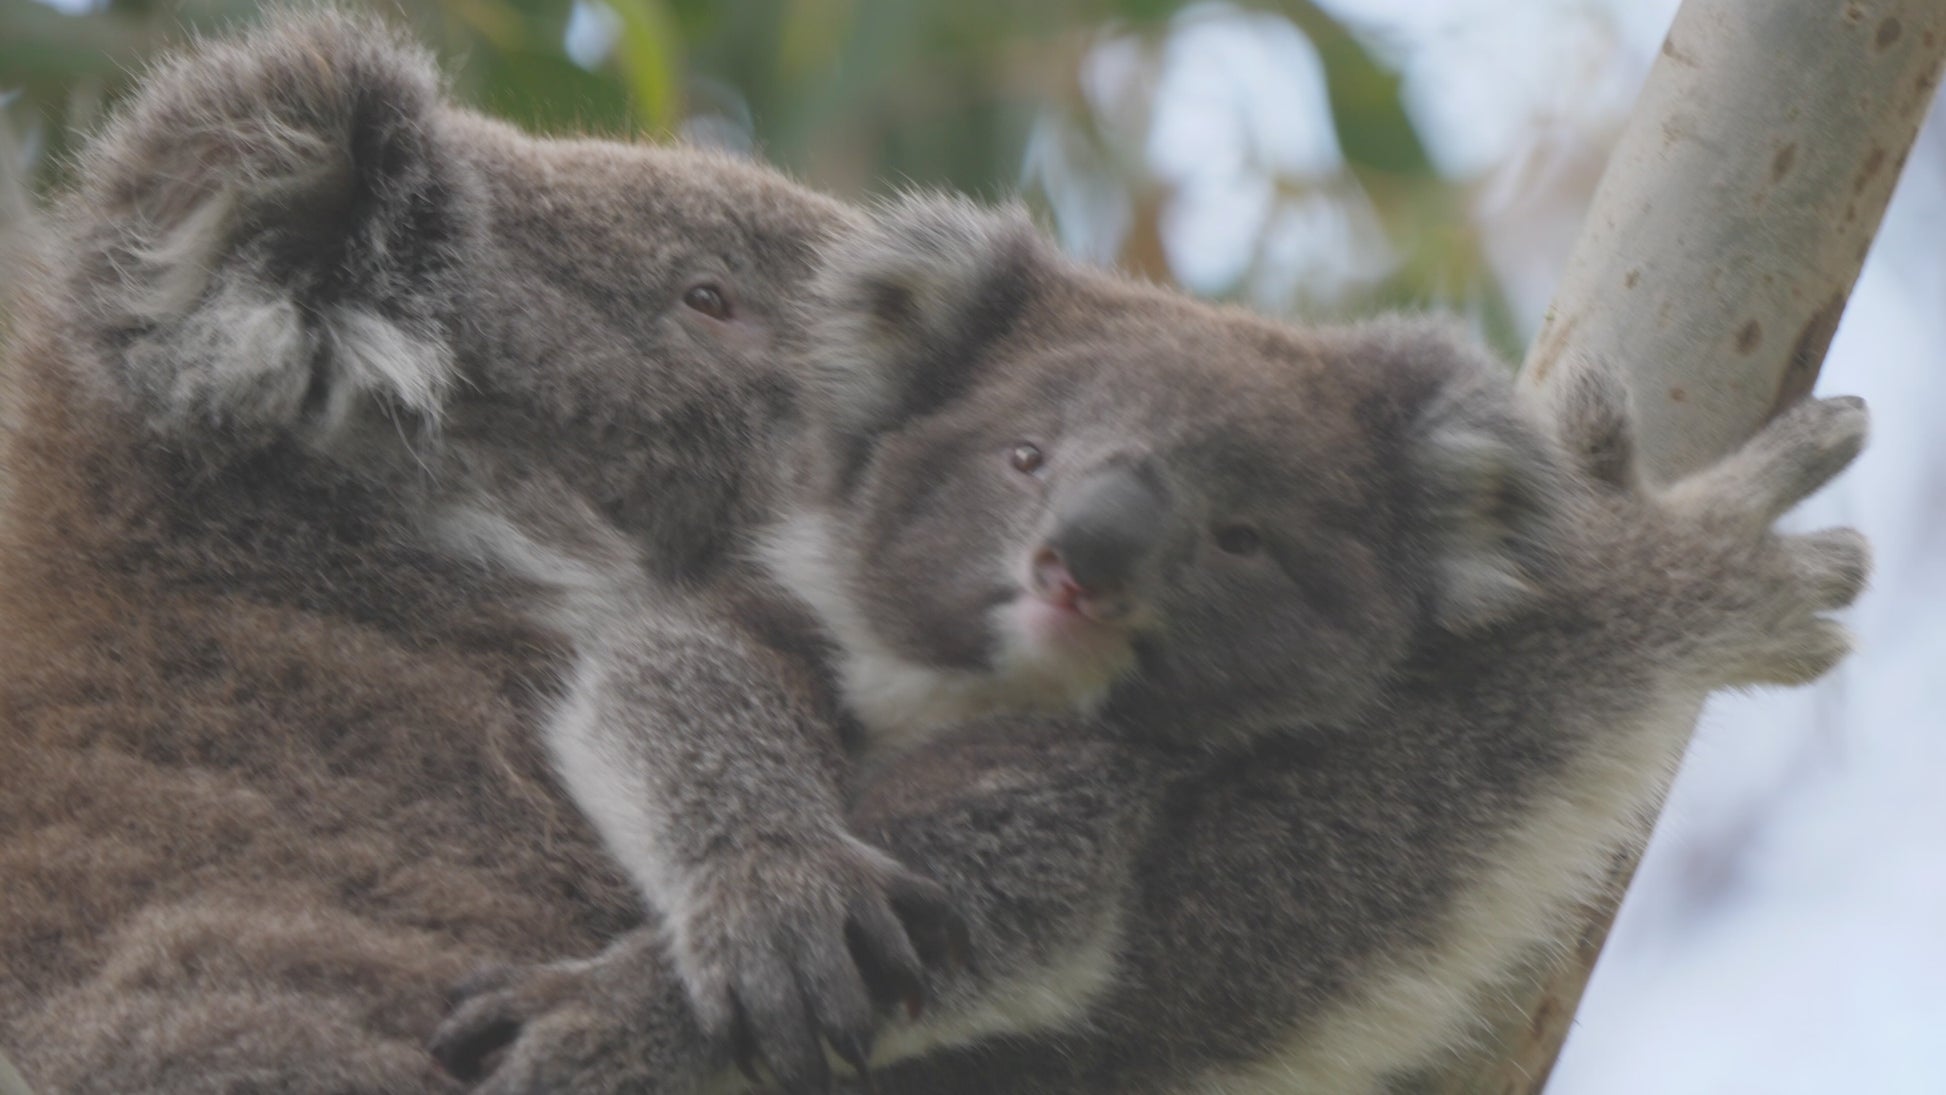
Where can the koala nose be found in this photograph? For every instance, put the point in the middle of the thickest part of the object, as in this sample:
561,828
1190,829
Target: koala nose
1105,528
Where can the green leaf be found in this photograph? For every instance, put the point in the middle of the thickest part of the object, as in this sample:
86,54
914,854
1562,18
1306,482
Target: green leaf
649,56
1373,128
547,92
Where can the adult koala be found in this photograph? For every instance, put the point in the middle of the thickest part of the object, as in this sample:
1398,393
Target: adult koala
351,452
1383,662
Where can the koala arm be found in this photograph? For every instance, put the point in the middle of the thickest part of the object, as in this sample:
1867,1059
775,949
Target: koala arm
704,760
1034,826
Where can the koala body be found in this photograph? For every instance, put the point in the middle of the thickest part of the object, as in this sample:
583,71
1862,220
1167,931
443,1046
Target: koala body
374,470
353,498
1376,665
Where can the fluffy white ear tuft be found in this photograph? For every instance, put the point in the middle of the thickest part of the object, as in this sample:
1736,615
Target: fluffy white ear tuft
1492,485
272,236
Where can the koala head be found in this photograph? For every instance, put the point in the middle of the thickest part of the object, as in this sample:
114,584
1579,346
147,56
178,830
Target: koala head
1043,487
293,242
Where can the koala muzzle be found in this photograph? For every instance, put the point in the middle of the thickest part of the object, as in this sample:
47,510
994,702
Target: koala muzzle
1105,530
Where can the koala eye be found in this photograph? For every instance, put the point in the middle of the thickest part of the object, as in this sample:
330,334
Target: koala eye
709,300
1239,540
1026,458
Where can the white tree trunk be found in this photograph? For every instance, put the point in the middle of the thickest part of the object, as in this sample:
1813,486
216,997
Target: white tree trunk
1711,272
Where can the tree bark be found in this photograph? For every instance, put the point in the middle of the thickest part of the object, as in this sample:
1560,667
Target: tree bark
1712,269
10,1081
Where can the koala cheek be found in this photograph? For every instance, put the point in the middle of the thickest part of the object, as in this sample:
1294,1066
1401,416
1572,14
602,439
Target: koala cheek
744,337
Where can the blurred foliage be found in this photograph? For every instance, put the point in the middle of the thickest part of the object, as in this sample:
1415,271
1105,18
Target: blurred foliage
855,96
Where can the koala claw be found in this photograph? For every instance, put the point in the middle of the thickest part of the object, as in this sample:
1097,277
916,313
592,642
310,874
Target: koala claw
487,1014
1772,591
780,978
1835,564
603,1026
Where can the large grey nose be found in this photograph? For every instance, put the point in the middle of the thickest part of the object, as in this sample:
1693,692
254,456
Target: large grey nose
1107,525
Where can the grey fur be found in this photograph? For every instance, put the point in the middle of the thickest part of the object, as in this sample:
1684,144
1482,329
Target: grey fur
1306,887
1382,473
354,475
357,434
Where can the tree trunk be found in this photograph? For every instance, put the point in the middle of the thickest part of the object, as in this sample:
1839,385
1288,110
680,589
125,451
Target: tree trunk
10,1081
1711,271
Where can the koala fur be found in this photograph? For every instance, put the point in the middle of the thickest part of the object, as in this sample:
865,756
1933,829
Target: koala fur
1376,484
353,498
1332,779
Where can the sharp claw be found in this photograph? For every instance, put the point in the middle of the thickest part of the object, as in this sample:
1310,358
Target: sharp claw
854,1051
743,1046
465,1054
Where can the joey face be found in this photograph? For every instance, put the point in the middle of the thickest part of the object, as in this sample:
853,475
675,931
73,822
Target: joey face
1118,528
1097,495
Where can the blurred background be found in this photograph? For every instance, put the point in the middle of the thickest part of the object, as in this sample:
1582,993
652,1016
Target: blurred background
1787,932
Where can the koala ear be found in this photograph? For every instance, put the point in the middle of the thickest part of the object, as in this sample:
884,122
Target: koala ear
270,234
903,307
1491,484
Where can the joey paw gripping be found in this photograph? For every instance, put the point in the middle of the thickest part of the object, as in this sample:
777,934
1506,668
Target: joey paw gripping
614,1024
1777,590
490,1010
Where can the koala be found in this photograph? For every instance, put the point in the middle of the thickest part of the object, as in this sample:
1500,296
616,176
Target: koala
370,618
1160,545
376,484
1356,665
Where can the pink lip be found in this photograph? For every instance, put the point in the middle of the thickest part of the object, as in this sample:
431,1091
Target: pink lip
1049,583
1069,622
1068,601
1067,597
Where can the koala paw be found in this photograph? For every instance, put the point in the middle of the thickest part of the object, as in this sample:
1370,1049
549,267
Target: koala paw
784,953
1776,592
614,1023
1796,643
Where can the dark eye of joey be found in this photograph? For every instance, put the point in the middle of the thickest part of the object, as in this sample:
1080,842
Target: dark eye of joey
1026,458
1239,539
709,300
